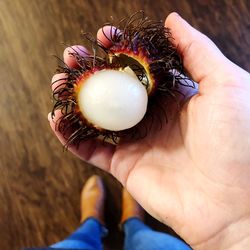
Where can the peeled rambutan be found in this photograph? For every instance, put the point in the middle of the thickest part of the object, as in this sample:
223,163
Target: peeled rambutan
113,95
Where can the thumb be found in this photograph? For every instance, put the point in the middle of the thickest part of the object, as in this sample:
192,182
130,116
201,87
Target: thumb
201,58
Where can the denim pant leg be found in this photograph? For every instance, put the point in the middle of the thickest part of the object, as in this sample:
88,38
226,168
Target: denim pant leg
87,236
138,236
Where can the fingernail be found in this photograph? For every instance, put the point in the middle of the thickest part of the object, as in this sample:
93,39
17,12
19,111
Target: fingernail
49,117
177,14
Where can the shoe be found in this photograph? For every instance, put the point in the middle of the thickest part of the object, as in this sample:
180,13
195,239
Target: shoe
92,199
130,208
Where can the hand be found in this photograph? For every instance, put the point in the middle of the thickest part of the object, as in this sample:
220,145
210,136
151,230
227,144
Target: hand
193,174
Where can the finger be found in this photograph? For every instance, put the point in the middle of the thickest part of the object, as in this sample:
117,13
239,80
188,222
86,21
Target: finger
93,151
201,57
70,53
58,81
107,34
59,86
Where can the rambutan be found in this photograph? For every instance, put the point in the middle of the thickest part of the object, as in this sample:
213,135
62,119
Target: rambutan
112,96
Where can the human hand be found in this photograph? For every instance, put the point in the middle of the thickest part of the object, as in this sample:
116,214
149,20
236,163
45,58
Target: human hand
193,174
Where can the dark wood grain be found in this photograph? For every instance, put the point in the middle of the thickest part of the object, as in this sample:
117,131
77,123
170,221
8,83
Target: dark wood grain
39,183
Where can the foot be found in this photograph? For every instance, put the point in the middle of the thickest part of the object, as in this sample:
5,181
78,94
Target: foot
92,199
130,208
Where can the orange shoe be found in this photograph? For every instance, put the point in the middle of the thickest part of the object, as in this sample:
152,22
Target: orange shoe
92,199
130,208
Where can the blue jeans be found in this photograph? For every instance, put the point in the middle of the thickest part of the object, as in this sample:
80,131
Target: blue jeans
86,237
138,236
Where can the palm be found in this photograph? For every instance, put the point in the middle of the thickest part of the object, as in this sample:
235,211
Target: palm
177,173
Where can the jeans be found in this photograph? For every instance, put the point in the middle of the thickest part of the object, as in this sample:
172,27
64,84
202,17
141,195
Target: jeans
86,237
138,236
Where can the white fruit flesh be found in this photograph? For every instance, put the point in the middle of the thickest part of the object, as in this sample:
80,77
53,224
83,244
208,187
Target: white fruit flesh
112,99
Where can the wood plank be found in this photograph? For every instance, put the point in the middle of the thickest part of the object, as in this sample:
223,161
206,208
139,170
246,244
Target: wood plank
39,183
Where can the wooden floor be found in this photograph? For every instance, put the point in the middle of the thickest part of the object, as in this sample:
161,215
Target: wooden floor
39,183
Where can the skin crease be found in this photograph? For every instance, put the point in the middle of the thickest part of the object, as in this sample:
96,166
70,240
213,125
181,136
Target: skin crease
193,174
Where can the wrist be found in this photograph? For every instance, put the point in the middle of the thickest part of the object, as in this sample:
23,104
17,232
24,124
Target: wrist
235,236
